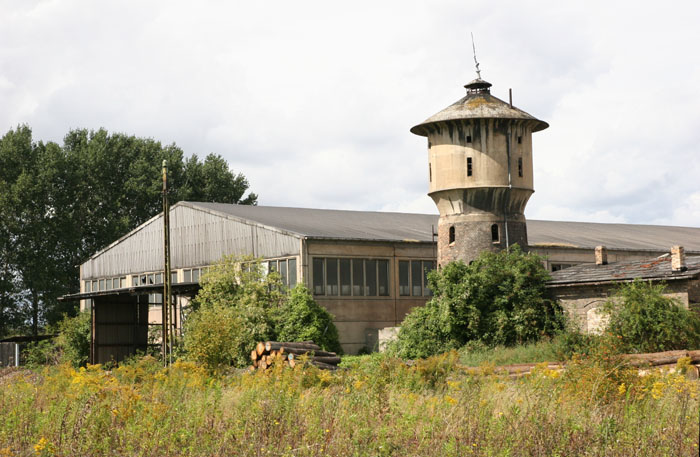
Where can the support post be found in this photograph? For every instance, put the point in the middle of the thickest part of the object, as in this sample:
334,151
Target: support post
166,337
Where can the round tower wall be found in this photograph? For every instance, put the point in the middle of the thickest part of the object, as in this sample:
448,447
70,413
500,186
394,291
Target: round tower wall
465,240
474,153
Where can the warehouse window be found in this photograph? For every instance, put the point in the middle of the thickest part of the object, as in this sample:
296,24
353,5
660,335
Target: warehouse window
318,276
286,268
350,277
358,277
413,277
404,281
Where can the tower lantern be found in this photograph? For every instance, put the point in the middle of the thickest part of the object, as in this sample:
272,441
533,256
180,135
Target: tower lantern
480,171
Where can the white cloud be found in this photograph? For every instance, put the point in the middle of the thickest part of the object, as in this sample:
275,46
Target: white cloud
313,101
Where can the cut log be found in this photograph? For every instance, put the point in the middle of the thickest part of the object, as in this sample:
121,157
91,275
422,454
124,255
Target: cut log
253,355
324,366
262,365
260,348
251,368
330,360
275,345
318,353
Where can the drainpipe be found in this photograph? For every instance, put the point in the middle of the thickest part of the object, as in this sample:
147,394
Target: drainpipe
510,186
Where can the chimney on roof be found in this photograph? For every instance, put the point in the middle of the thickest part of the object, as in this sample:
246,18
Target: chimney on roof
678,258
601,255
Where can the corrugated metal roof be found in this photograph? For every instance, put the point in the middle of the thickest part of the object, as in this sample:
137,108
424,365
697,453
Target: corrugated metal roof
658,269
614,236
333,224
383,226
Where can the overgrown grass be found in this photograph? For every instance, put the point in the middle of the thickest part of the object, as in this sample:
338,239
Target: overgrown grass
541,351
377,406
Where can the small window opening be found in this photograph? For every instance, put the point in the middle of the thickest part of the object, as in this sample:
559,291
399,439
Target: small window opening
520,167
469,166
452,234
520,140
494,233
430,172
469,138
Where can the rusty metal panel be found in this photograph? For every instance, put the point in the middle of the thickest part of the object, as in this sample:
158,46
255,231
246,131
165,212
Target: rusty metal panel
198,238
120,327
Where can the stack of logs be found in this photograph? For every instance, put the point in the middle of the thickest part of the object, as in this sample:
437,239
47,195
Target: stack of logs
268,352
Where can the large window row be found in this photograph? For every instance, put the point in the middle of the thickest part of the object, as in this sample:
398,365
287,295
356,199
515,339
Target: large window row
351,277
413,277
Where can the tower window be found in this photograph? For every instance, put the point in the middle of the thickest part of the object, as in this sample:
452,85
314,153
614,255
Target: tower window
469,166
494,233
520,139
520,167
452,234
430,172
469,138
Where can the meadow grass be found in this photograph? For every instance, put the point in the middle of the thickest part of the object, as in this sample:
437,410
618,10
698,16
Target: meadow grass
374,406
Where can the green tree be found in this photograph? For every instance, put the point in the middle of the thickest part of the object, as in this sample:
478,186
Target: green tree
61,204
646,320
498,299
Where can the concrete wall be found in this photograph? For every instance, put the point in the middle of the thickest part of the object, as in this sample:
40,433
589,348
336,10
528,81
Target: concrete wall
582,302
359,318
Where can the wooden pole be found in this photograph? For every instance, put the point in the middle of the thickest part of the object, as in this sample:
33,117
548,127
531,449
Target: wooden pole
166,268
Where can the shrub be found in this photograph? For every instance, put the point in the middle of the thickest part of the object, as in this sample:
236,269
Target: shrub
213,337
499,299
239,305
73,341
302,319
645,320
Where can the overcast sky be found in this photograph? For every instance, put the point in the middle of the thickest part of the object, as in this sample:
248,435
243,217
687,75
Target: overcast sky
313,100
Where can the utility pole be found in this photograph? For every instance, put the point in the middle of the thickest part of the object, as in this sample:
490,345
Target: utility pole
167,340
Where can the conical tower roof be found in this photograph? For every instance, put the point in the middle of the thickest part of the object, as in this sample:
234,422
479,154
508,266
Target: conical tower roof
478,104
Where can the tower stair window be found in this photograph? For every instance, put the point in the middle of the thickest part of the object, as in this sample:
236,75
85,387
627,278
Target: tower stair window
494,233
452,234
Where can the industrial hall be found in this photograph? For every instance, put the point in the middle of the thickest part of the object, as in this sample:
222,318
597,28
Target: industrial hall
368,269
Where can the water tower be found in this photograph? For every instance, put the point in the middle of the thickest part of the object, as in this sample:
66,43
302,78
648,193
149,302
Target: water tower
480,171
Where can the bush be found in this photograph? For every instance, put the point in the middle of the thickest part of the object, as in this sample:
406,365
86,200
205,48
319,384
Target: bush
645,320
239,306
235,308
499,299
302,319
73,340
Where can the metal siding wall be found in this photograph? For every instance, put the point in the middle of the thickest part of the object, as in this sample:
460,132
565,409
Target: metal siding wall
197,238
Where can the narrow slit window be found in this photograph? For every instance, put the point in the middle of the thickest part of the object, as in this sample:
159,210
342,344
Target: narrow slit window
452,234
494,233
520,167
520,139
430,172
469,166
469,138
